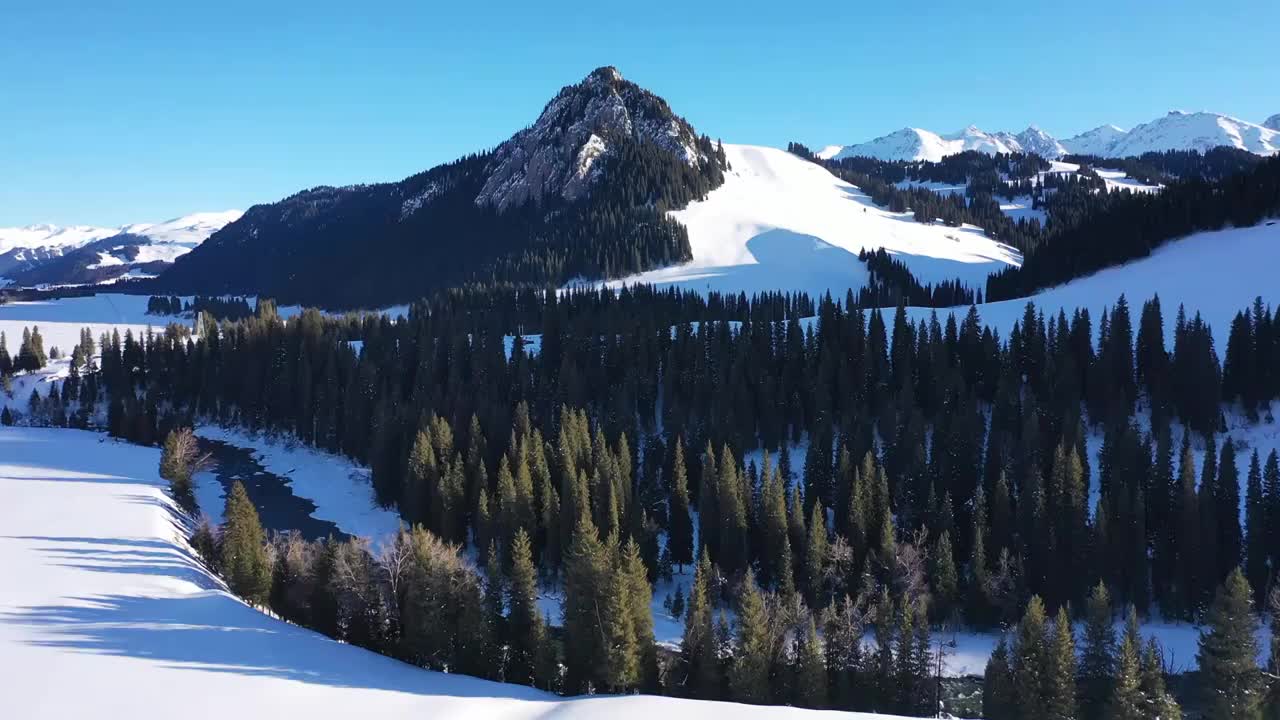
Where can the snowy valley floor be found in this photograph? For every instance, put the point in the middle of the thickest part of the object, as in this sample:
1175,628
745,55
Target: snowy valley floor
106,613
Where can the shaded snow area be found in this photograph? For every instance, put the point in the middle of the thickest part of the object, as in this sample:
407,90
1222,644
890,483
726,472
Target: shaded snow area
105,612
1217,274
782,223
340,489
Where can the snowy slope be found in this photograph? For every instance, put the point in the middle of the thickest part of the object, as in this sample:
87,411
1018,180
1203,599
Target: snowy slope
1094,142
918,144
51,236
1195,131
106,613
1272,123
1178,131
1035,140
782,223
48,254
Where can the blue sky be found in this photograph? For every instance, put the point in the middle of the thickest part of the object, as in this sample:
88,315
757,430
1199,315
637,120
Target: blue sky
118,112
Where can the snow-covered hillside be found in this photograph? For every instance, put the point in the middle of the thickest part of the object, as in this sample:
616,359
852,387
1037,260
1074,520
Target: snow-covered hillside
49,254
917,144
782,223
105,612
1094,142
1195,131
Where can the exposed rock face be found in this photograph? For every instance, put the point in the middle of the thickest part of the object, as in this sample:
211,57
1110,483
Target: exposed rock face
561,153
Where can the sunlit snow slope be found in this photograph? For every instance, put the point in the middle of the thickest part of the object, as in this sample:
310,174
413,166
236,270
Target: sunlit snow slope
105,613
782,223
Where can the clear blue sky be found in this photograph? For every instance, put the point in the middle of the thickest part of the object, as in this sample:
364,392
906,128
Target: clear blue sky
115,112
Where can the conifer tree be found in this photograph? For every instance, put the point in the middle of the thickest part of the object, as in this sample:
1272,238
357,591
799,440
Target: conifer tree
1060,691
1126,701
811,669
815,557
680,534
1158,703
1097,669
1228,654
1030,662
943,573
1255,555
1227,492
998,701
244,562
749,672
526,632
698,647
638,597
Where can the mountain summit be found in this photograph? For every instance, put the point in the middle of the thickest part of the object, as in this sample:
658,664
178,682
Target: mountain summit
583,192
561,152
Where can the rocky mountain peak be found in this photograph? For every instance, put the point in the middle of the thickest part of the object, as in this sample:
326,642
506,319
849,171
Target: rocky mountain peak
561,153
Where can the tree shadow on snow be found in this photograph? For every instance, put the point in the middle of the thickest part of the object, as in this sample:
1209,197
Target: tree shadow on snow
204,629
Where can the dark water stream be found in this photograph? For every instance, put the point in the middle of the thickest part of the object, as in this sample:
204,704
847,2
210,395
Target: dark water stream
272,495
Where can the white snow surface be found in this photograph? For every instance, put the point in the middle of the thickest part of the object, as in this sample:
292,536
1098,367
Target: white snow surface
188,230
918,144
1178,130
107,613
780,222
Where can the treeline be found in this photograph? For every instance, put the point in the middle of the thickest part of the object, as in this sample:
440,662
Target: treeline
1159,168
1115,228
1001,490
220,308
892,284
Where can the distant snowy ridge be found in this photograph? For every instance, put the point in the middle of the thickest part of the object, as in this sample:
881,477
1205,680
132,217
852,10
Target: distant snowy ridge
917,144
49,254
1201,131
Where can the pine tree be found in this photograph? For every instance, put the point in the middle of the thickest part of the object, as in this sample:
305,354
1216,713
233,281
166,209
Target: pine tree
815,557
1228,654
811,670
943,574
1126,701
1060,691
998,701
1158,702
680,534
1097,671
586,599
1227,493
749,673
1255,556
525,630
1030,664
698,647
245,563
639,596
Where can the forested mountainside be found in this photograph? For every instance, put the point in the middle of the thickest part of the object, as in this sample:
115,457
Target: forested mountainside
537,209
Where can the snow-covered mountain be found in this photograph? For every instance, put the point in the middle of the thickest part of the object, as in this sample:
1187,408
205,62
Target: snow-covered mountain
917,144
49,254
1035,140
1177,130
1195,131
1094,142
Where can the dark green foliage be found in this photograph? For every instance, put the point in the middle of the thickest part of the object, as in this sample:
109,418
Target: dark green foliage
244,561
1228,654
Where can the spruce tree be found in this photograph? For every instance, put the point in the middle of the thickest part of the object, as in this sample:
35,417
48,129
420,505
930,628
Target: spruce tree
815,557
1228,654
1060,690
639,597
749,672
244,562
811,669
698,648
1126,701
1255,555
680,534
1097,670
1158,702
943,575
997,685
524,622
1030,662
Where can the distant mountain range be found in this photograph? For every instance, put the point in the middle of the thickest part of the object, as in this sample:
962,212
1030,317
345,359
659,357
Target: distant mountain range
1177,130
80,254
